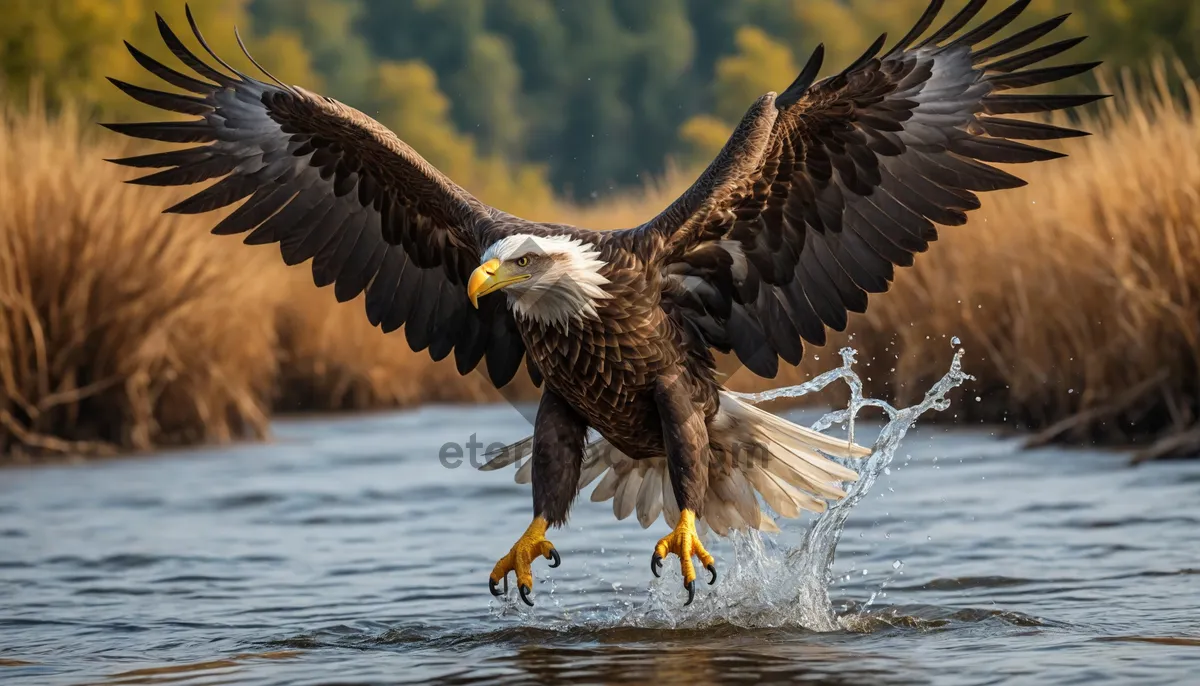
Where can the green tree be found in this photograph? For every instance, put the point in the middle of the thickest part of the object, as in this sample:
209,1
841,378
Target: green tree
67,47
328,30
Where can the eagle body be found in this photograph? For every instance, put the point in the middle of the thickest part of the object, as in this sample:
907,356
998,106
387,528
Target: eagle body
606,367
820,193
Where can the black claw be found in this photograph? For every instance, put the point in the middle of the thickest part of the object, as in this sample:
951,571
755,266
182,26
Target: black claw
655,564
713,570
492,587
691,589
524,590
554,556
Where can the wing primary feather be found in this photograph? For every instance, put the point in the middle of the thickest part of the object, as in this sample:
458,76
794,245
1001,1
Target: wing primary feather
966,174
259,208
189,174
175,102
922,25
1021,129
187,10
964,17
867,56
237,34
1038,77
221,194
804,79
1018,40
1034,56
187,56
1026,104
1002,151
273,230
171,158
168,74
990,27
166,131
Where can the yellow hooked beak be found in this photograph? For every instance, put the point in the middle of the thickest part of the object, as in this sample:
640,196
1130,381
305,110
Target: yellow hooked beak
490,277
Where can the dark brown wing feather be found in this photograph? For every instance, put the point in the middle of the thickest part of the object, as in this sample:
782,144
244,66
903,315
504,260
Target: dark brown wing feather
821,192
331,185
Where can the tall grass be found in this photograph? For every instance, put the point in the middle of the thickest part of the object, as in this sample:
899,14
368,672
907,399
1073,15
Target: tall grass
119,327
1077,299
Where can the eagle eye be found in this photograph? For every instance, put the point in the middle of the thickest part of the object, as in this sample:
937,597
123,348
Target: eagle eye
523,261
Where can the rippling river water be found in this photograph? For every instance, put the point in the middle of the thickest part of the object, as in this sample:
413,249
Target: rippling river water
346,552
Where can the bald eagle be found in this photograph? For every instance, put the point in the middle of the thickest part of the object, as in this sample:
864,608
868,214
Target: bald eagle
819,194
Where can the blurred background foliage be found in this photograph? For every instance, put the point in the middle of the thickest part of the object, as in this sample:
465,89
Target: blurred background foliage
522,100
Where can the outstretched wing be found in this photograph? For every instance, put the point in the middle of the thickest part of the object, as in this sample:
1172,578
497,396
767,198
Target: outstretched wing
331,185
821,192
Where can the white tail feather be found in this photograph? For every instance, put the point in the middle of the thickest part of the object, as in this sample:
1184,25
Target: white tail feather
787,466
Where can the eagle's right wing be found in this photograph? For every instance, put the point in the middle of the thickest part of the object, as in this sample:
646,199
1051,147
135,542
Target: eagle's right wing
821,192
331,185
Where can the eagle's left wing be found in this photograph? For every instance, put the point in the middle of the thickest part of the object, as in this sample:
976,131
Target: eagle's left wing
822,191
332,186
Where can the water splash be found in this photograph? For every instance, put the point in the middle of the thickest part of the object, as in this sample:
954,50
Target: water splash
809,565
792,588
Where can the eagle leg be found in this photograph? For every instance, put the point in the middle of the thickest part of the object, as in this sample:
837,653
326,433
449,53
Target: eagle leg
529,547
685,436
559,434
684,542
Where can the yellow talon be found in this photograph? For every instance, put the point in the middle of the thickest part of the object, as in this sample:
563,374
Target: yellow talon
529,547
684,542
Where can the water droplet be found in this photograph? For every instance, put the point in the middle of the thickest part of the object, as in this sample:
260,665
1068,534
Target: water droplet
864,572
887,470
978,399
897,564
616,586
955,341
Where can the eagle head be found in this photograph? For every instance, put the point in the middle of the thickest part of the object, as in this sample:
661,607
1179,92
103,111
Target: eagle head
551,280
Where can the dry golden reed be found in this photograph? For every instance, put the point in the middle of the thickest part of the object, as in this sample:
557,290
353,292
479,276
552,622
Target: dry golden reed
120,328
1077,299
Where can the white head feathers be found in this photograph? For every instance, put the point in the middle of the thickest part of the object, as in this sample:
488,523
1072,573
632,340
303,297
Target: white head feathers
565,289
